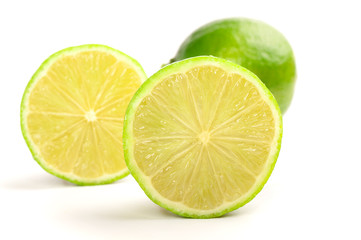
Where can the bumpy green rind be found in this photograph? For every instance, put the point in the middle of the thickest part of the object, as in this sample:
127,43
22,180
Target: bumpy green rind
23,110
146,88
252,44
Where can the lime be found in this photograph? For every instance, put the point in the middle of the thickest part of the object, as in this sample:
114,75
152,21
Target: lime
252,44
201,136
72,113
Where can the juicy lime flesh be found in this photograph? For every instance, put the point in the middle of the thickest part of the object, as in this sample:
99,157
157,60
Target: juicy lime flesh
75,114
202,137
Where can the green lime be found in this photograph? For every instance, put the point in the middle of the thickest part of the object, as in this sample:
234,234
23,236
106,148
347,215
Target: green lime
202,136
72,113
252,44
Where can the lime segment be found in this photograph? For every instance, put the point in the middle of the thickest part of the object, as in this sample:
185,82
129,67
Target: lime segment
202,136
72,112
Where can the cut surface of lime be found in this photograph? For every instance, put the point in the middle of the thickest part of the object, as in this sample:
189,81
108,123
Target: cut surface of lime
72,113
202,136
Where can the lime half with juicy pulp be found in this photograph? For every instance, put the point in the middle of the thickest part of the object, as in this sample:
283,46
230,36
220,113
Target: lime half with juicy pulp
202,136
252,44
73,109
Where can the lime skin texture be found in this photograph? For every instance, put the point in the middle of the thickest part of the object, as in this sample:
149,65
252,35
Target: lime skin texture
252,44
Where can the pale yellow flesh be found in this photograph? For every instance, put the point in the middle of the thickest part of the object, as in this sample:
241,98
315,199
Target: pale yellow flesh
75,114
203,137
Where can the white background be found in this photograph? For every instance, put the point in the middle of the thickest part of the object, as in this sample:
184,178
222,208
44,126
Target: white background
314,191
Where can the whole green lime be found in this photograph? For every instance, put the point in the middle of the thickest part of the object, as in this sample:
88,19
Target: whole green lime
252,44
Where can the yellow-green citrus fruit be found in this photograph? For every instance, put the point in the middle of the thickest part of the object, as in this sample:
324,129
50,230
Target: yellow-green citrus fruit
73,109
202,136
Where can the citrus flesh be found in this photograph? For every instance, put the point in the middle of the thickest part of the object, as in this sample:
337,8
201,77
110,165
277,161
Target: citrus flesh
72,113
202,136
252,44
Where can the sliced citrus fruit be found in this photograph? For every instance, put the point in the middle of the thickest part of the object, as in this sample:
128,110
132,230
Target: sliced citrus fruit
72,113
202,136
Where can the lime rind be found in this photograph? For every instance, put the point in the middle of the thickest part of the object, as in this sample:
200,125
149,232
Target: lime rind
147,86
250,43
23,111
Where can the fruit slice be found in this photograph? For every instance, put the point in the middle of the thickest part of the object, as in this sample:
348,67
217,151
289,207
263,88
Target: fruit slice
72,113
202,136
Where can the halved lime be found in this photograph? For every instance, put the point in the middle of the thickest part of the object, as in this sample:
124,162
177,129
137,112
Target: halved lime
72,113
202,136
